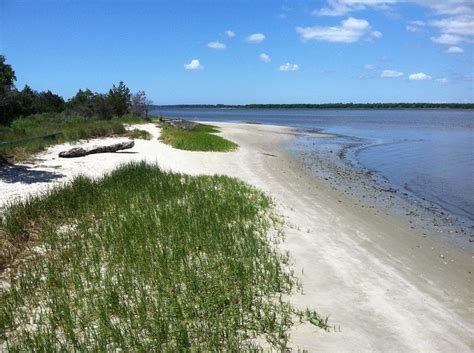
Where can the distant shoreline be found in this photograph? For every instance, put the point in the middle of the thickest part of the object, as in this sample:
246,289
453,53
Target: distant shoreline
375,106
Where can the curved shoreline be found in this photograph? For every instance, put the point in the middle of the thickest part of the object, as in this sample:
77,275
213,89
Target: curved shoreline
342,169
384,285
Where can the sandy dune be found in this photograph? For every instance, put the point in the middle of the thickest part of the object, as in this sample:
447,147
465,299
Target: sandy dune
386,288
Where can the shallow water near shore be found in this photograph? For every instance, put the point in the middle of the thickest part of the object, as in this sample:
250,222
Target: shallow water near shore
424,156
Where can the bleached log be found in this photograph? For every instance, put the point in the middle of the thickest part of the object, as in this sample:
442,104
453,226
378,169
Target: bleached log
81,152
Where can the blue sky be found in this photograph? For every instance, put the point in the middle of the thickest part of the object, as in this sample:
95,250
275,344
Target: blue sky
239,52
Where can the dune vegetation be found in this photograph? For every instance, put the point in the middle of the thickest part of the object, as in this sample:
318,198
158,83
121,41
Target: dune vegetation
29,132
147,260
199,138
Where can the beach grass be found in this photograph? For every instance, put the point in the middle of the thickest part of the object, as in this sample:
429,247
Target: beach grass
71,129
138,134
200,138
147,260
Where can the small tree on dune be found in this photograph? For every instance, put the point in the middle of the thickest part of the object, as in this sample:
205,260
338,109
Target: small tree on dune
119,98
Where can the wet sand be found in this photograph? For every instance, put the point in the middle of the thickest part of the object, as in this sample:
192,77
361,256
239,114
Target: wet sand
385,286
337,166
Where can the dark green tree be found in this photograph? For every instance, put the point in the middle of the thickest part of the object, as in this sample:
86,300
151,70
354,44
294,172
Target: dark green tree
101,106
8,93
119,98
27,101
7,76
49,102
82,103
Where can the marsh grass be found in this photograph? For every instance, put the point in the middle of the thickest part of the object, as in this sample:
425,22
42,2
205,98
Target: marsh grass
201,138
147,260
72,129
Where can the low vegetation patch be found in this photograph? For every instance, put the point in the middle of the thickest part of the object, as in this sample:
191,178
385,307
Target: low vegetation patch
139,134
147,260
199,138
28,129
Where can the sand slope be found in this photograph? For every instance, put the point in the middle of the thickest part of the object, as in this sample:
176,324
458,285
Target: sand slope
385,288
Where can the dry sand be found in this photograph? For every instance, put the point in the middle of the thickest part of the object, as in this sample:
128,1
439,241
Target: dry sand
385,287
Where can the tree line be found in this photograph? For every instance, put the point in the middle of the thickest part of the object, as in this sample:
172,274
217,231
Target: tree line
326,106
15,103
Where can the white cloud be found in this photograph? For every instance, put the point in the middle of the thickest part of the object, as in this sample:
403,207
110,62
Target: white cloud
391,73
454,30
343,7
440,7
456,27
442,80
462,25
415,26
216,45
419,76
449,39
418,23
256,38
229,33
369,66
265,58
334,9
448,7
288,67
455,50
376,34
194,65
350,30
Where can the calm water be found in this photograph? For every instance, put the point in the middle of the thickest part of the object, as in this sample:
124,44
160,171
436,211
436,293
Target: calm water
427,152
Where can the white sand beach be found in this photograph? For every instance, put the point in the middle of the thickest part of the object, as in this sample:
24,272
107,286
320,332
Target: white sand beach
385,287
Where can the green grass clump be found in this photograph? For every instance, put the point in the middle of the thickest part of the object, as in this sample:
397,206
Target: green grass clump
139,134
72,129
147,260
201,138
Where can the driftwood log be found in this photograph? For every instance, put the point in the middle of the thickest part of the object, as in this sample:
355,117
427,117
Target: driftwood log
81,152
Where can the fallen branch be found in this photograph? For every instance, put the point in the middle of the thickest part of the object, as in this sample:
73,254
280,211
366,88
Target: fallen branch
81,152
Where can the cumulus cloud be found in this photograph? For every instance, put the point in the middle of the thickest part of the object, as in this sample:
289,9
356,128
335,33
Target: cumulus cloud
265,58
415,26
349,31
391,73
455,50
454,30
419,76
376,34
456,27
369,66
448,7
440,7
461,25
194,65
288,67
256,38
449,39
229,33
216,45
343,7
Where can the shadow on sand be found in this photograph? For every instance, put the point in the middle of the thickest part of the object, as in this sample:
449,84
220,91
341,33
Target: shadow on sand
25,175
